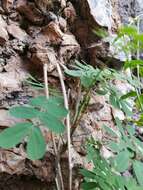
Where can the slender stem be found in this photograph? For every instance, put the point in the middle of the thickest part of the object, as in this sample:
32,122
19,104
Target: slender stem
45,69
81,111
67,123
138,54
58,163
57,183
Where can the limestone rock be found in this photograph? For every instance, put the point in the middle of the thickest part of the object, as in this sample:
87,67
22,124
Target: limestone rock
101,11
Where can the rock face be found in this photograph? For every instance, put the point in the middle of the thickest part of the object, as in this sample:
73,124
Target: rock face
36,32
130,9
100,10
29,38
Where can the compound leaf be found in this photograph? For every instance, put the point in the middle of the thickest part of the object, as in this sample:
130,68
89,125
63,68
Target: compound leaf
10,137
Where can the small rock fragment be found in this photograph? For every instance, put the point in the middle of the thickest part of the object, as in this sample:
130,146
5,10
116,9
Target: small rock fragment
53,32
15,31
39,55
62,24
118,113
70,12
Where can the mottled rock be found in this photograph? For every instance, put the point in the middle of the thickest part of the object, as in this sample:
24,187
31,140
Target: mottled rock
69,48
44,5
15,31
6,120
12,79
3,33
85,130
14,162
70,12
101,11
30,13
41,54
7,5
101,113
130,9
62,24
53,32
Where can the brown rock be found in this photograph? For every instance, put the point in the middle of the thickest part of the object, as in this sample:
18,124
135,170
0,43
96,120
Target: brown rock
14,161
20,3
62,24
69,47
70,12
3,32
7,5
15,31
1,10
53,32
44,5
30,12
41,54
85,130
11,80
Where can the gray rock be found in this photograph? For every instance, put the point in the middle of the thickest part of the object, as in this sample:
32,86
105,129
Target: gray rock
101,11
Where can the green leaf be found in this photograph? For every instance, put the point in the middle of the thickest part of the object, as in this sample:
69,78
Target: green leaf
130,130
139,101
36,145
114,101
138,170
87,81
126,108
87,174
133,64
101,33
53,105
122,161
110,131
128,95
119,125
89,185
52,123
42,100
10,137
24,112
101,92
74,73
57,111
115,147
128,30
131,184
